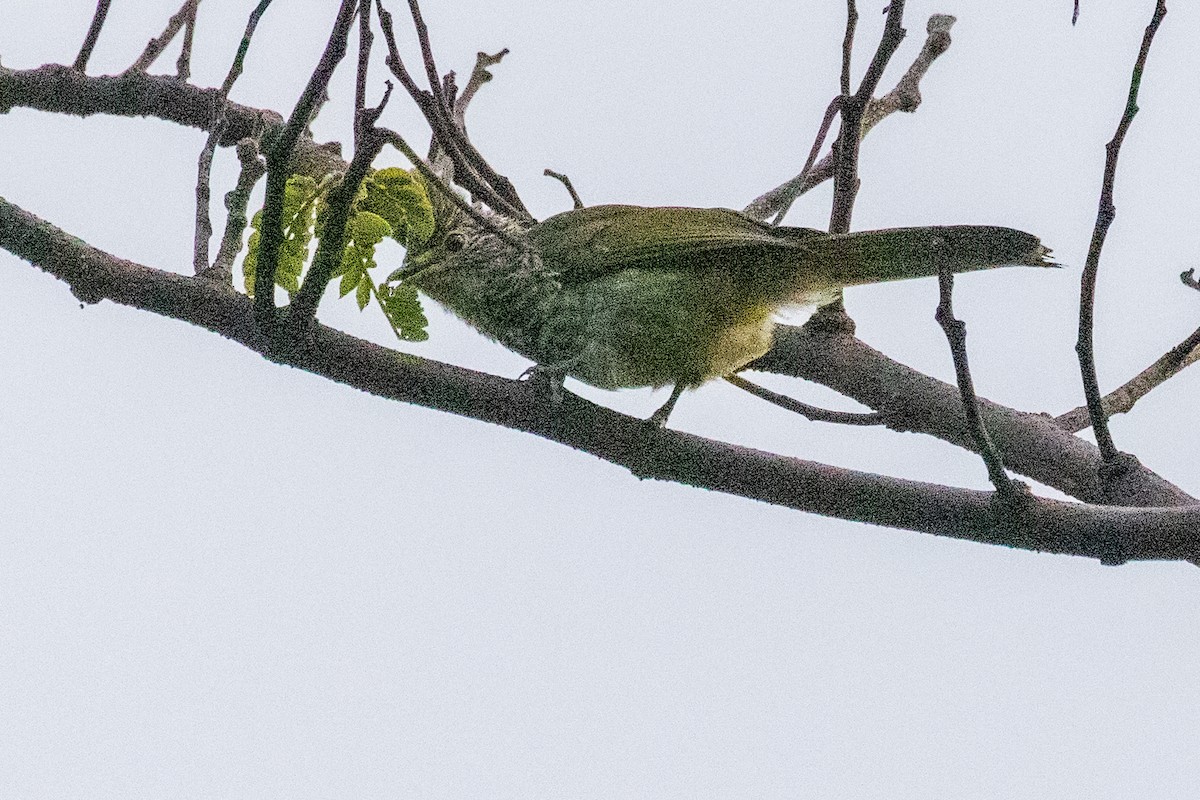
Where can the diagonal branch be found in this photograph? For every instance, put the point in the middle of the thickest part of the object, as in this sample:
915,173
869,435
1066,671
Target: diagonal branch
471,170
92,36
1031,444
1112,535
279,158
1085,346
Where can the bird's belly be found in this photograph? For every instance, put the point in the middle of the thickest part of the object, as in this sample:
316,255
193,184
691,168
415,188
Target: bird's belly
646,328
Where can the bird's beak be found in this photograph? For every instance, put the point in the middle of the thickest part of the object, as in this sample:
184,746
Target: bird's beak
413,266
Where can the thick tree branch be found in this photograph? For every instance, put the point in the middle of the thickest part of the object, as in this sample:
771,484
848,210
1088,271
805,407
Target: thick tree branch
1085,346
1110,534
1030,444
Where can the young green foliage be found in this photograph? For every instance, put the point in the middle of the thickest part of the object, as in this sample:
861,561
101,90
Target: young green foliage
391,203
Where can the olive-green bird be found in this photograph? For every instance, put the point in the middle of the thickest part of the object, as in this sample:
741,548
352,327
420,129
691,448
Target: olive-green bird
623,296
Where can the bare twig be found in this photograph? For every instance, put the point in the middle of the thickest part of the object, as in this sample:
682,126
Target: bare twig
815,413
278,166
479,76
1084,347
956,335
93,34
183,64
365,38
203,228
845,177
1189,280
431,70
204,166
565,181
186,15
848,46
1122,399
906,96
793,188
1075,13
236,201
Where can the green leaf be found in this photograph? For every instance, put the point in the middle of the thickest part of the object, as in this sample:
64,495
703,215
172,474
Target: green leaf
398,197
404,312
363,296
300,198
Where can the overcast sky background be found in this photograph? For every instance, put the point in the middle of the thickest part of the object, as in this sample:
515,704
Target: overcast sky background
220,577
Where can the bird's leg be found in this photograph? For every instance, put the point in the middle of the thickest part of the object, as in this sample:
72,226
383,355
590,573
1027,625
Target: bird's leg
659,418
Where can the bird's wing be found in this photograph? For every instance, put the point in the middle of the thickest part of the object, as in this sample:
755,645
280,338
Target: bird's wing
589,243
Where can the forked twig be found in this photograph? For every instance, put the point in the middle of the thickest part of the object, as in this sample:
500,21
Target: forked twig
185,16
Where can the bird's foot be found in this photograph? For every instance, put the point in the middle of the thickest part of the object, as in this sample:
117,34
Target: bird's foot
659,418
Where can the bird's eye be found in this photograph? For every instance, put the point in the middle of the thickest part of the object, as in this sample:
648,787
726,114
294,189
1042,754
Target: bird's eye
455,242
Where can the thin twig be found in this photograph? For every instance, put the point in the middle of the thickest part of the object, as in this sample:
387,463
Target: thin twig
845,177
906,96
479,76
1075,13
203,229
814,413
365,38
1189,280
236,201
154,48
1122,399
1085,347
956,335
779,201
565,181
431,70
183,64
278,166
848,46
93,34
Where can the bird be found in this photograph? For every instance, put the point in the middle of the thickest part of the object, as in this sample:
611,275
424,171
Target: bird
622,296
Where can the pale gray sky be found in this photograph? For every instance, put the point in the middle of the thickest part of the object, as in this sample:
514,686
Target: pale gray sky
416,605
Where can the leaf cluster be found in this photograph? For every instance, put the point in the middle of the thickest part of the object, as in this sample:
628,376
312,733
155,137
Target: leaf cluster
390,203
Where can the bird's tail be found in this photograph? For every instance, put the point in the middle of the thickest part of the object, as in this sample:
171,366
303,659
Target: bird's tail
898,253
